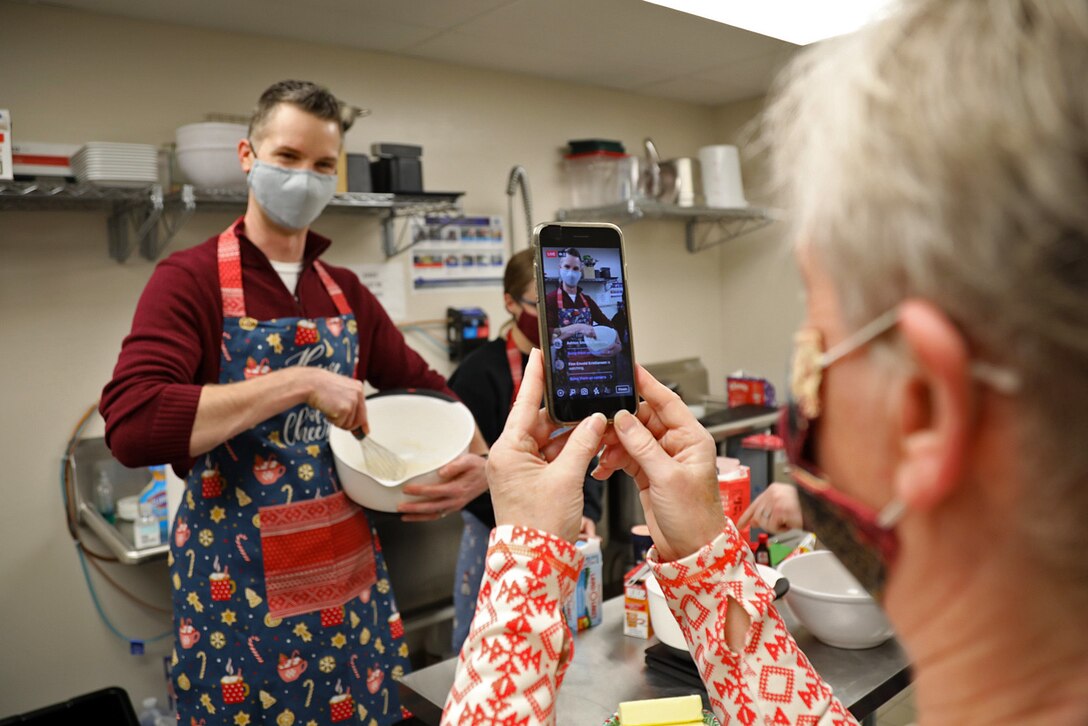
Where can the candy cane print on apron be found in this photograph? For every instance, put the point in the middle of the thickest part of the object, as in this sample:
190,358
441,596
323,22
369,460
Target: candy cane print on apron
283,607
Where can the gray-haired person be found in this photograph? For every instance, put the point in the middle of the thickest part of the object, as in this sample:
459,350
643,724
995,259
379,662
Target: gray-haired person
935,166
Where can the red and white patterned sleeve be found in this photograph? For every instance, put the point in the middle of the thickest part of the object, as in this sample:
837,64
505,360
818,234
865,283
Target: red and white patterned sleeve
519,646
771,682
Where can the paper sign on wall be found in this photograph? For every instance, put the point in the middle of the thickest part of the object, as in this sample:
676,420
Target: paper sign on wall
461,252
386,281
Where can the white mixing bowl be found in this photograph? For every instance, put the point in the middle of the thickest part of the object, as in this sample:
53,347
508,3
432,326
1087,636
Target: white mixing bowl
210,133
831,604
424,428
666,628
606,338
212,167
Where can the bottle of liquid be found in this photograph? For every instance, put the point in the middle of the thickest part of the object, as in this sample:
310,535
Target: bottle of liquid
155,494
763,550
146,530
103,496
151,713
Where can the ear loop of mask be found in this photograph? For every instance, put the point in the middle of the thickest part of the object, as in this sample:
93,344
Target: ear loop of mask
889,515
1001,379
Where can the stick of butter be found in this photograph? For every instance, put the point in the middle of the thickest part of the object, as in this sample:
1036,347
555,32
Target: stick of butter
662,711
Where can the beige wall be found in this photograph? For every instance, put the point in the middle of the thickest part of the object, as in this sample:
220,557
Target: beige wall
759,287
65,306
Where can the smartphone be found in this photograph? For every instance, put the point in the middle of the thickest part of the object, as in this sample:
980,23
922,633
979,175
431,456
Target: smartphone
585,320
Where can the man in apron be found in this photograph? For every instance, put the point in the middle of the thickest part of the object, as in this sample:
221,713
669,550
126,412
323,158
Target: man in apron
571,315
243,351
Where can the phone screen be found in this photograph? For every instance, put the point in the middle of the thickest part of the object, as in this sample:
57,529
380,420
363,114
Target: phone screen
585,321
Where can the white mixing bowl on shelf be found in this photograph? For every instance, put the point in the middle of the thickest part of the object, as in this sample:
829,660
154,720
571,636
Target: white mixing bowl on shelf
211,167
207,155
210,133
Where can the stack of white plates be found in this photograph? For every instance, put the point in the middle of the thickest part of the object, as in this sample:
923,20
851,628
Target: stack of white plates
108,164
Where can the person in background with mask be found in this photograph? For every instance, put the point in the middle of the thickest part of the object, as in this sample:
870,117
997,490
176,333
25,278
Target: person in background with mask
487,382
243,351
939,394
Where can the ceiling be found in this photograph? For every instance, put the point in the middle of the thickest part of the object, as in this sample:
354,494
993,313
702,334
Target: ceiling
627,45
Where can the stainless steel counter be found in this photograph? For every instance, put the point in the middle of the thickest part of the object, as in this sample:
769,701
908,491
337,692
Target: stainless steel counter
728,422
608,668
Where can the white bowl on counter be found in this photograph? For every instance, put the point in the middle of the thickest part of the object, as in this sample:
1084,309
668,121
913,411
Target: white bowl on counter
425,428
826,599
666,628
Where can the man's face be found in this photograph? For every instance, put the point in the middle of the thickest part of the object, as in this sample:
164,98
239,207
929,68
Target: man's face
570,262
294,139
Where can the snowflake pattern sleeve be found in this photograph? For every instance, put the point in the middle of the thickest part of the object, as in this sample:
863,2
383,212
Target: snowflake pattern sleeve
519,646
771,681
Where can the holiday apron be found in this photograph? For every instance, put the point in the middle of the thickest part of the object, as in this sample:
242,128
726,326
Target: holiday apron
578,368
282,603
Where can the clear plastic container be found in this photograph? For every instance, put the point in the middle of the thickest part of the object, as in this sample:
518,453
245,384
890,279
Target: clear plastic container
103,496
150,714
598,179
146,531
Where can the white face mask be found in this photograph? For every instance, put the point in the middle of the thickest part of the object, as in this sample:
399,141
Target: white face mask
292,198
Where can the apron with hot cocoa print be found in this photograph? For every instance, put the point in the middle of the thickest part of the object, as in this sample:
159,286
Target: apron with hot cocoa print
578,368
282,604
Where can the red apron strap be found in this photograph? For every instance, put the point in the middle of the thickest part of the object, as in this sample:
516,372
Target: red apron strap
333,289
513,357
560,299
230,277
230,273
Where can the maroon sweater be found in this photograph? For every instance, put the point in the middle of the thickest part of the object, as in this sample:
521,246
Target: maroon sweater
174,346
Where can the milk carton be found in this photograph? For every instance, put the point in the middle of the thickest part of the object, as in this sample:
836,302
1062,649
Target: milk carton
734,485
7,171
636,603
583,609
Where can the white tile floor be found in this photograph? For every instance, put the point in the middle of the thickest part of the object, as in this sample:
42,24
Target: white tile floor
899,711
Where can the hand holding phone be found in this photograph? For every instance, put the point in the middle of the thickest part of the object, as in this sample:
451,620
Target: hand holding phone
585,326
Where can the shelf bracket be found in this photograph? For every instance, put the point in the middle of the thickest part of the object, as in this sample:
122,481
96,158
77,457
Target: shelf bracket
729,228
389,236
169,222
130,223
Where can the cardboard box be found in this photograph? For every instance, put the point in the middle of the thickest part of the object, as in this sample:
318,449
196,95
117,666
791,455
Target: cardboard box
34,158
636,603
585,607
742,390
7,170
735,488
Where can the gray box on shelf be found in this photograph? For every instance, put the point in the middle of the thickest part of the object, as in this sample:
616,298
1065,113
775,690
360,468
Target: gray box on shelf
359,173
397,169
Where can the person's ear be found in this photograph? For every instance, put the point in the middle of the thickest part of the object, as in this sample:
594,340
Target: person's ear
510,303
934,411
245,155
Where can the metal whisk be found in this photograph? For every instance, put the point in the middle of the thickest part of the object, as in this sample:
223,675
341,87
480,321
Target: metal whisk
381,462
